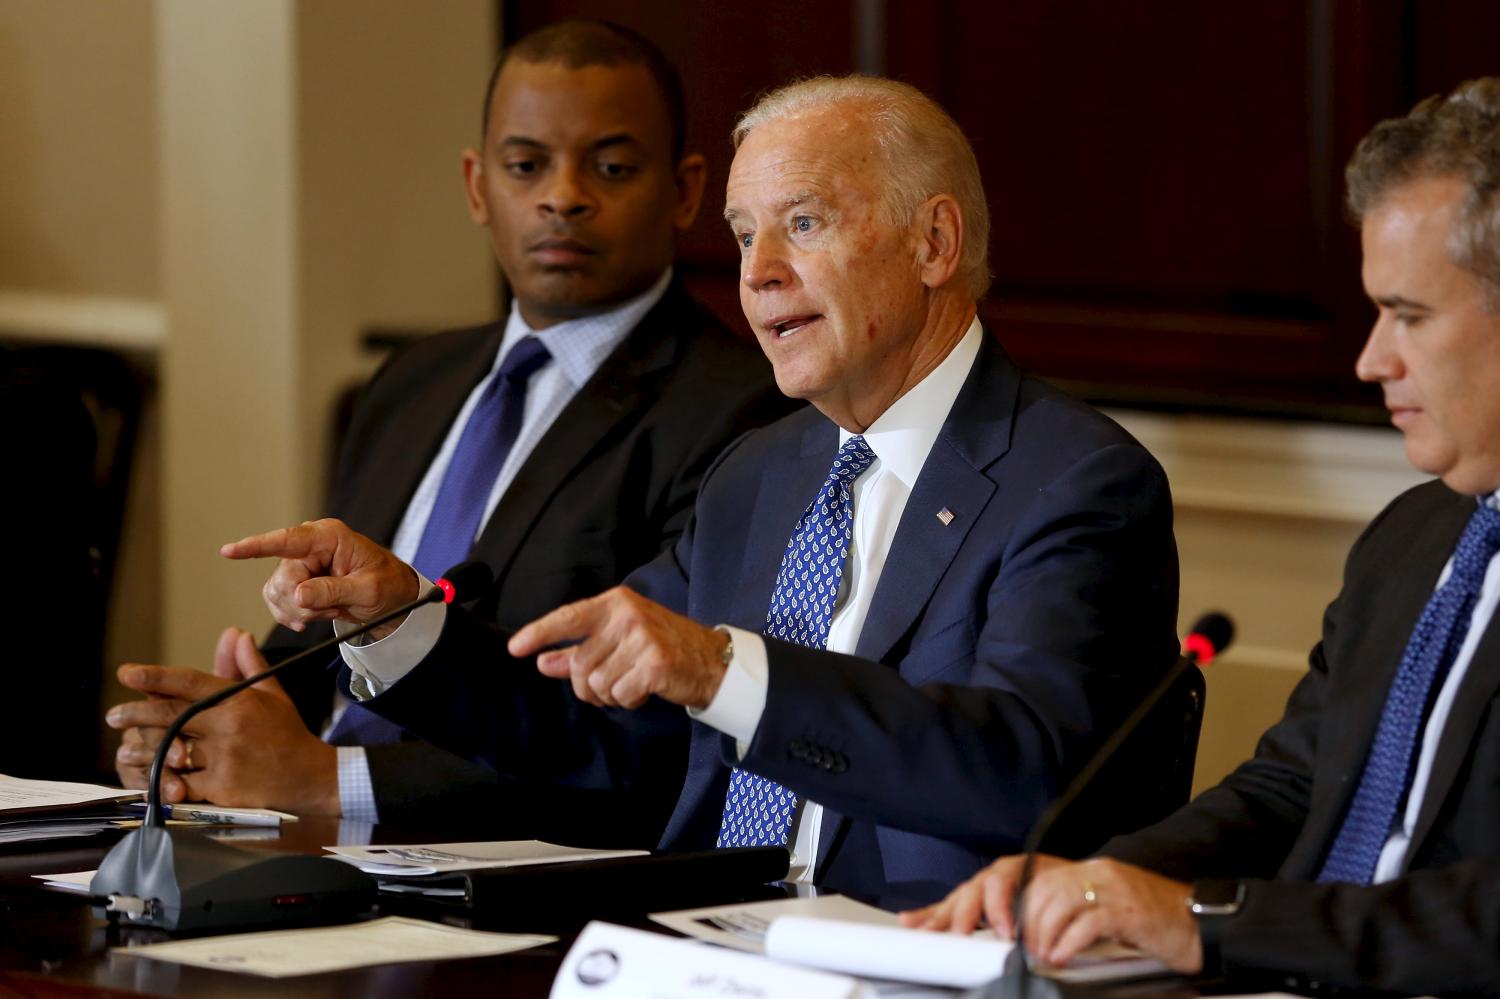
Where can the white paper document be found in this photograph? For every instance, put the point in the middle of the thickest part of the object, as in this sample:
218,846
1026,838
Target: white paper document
20,793
744,926
927,958
415,860
283,953
618,963
77,881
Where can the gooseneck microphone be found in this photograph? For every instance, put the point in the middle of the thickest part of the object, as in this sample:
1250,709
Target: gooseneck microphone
1209,636
463,582
156,877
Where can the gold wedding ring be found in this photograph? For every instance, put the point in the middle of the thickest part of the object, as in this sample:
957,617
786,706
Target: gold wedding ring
187,755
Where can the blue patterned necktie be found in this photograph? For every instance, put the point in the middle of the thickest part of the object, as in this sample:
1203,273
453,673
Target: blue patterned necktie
477,460
758,812
1434,645
451,527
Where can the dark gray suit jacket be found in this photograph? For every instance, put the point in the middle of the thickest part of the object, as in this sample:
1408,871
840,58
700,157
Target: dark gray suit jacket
1270,823
609,486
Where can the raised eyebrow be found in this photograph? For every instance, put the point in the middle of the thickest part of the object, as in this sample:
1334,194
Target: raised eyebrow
802,198
791,201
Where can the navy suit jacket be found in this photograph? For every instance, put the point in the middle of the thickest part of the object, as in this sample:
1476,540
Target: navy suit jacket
998,652
1272,821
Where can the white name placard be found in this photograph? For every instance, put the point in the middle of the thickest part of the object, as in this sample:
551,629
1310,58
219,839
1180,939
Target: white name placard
619,963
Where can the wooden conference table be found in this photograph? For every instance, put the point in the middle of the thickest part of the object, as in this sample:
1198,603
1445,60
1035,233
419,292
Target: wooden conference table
51,945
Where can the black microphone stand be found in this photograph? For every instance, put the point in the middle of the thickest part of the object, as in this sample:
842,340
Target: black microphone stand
181,880
1209,636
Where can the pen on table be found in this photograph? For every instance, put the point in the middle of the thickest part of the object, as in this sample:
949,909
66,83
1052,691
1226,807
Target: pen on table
193,813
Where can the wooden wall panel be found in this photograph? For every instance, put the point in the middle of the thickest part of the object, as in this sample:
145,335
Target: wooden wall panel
1165,177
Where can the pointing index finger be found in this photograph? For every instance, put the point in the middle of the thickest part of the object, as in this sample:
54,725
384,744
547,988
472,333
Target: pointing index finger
569,622
284,542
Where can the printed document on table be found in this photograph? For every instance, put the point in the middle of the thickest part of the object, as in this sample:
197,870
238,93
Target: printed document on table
744,926
19,794
416,860
943,959
283,953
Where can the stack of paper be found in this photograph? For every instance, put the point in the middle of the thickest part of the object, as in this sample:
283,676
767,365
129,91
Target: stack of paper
282,953
38,810
422,860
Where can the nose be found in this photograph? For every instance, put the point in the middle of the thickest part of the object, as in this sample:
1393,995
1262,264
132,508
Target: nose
1379,361
763,264
566,193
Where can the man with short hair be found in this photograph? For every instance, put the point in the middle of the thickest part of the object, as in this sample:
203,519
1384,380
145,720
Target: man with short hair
563,447
938,588
1360,846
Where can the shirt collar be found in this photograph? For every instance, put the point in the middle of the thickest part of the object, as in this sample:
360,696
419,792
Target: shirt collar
579,346
905,432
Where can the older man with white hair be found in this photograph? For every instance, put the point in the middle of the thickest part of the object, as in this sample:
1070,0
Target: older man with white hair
901,618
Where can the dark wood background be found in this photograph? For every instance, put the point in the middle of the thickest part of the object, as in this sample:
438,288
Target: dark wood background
1165,176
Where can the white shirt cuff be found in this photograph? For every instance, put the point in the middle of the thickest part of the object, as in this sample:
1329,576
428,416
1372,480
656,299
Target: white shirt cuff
356,789
380,664
741,700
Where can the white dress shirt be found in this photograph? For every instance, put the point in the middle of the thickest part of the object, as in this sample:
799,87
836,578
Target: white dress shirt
578,347
900,438
1392,862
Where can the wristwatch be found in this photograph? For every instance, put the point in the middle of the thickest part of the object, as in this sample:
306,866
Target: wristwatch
1216,897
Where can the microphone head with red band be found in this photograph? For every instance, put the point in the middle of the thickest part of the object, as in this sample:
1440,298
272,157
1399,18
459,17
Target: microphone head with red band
1209,637
465,581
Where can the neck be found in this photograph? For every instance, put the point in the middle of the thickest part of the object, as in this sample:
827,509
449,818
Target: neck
948,318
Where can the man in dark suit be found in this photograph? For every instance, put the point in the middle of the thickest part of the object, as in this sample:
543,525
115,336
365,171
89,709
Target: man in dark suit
980,573
583,184
1361,845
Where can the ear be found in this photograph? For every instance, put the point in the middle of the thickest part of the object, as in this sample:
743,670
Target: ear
692,173
473,167
942,238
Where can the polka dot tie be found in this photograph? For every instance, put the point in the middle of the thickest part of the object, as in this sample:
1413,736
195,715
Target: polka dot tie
758,812
1433,646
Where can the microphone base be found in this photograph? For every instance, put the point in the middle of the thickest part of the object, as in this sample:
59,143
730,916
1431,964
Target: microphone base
189,882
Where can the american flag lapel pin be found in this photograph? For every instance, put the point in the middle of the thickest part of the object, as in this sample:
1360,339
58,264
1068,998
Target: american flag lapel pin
945,515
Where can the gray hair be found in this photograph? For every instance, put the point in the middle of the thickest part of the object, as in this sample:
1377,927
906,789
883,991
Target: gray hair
1457,136
925,153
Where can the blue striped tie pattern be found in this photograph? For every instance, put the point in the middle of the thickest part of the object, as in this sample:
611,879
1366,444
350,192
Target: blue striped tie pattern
454,521
758,812
1433,646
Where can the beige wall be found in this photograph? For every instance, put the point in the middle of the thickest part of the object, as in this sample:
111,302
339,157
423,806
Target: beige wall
234,191
78,164
325,200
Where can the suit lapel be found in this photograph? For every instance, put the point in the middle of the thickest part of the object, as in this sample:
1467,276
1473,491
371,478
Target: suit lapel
586,426
786,488
975,435
425,421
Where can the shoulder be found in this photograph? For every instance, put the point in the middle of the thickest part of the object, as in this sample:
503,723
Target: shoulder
1041,432
1425,520
704,347
438,353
